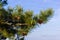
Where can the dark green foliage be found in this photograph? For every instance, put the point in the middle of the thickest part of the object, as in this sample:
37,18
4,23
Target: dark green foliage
13,19
3,2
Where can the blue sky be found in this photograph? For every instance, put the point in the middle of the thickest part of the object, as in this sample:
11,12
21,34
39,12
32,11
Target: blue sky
48,31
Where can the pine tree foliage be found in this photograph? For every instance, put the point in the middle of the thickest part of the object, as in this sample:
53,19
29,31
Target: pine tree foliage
16,20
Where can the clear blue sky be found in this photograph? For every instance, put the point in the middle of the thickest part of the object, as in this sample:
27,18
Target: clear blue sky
48,31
